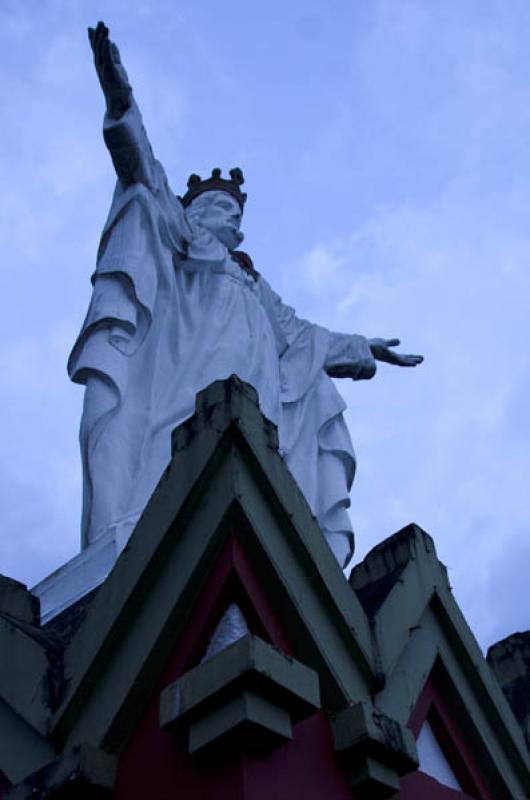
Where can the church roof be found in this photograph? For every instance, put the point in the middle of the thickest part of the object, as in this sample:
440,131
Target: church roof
227,524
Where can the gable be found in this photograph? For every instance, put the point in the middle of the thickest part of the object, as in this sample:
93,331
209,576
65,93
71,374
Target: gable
423,640
154,759
224,479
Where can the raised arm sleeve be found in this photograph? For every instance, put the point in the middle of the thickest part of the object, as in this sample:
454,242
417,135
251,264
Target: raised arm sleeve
349,356
130,149
138,170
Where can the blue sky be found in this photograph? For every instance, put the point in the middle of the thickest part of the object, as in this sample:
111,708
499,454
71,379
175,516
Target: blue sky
386,149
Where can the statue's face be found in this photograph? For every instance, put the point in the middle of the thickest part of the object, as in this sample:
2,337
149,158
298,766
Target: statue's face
221,214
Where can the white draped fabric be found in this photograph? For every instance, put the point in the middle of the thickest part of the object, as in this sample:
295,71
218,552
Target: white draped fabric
170,313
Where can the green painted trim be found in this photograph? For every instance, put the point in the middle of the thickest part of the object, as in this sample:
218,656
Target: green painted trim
360,729
18,602
313,580
22,749
417,622
246,719
83,769
245,695
428,647
373,749
250,663
370,779
23,684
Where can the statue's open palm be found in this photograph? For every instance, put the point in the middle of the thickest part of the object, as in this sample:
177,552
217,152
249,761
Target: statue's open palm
381,352
111,73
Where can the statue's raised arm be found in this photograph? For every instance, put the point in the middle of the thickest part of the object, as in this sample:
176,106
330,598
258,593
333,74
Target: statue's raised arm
123,129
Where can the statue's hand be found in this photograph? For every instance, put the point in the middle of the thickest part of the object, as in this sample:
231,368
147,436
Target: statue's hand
381,352
111,73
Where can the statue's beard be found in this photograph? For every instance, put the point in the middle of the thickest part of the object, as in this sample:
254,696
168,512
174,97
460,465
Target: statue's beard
230,236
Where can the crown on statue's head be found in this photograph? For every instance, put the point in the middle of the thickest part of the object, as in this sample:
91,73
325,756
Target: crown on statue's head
197,186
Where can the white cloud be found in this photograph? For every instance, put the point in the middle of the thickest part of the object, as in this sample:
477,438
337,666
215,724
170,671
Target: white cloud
320,269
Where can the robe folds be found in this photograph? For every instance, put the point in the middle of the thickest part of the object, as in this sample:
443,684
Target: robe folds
171,312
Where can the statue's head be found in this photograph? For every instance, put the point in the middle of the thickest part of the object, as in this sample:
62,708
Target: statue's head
217,204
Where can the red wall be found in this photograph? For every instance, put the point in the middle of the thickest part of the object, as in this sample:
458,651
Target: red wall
157,766
419,786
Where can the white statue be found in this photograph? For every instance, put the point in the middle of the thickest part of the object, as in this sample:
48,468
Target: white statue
175,307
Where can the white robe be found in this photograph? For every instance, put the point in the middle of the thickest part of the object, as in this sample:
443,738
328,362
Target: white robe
170,313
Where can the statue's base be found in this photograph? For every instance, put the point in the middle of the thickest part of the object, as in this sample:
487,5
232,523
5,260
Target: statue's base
83,573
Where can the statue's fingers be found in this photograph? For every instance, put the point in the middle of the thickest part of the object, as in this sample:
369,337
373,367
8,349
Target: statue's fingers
97,51
115,53
107,51
411,361
99,38
102,34
104,49
100,28
104,37
392,342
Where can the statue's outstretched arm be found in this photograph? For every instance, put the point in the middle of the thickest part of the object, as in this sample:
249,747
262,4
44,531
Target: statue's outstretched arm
347,355
339,363
341,355
123,129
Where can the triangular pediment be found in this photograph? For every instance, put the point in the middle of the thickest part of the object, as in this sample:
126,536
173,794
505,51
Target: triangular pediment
423,642
225,480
